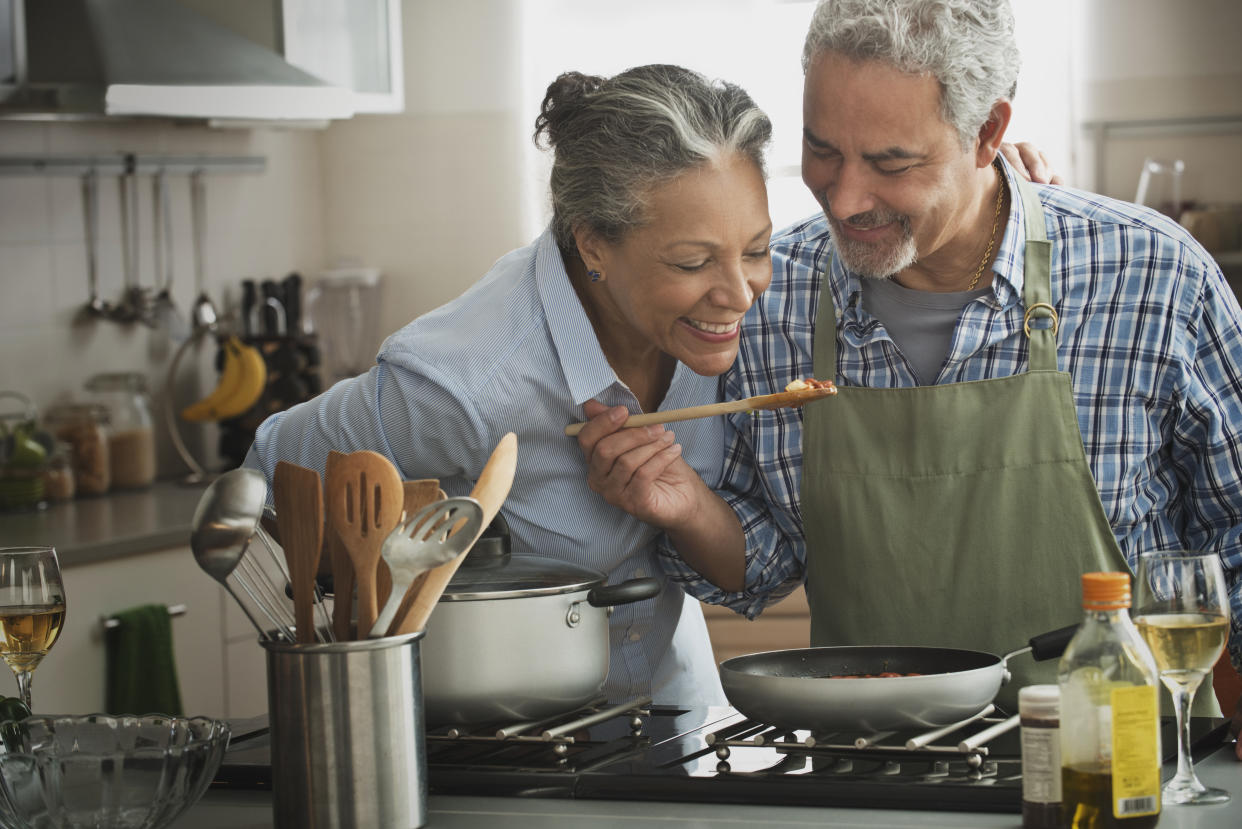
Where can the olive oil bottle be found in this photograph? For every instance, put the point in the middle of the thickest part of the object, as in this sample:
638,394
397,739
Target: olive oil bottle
1110,715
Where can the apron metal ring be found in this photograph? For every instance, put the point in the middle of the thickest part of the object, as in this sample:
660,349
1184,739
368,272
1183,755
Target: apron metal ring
1026,318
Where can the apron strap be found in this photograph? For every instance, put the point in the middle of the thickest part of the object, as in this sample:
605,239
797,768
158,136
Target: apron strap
1039,322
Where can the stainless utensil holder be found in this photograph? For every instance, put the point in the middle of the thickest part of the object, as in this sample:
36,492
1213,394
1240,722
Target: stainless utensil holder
347,736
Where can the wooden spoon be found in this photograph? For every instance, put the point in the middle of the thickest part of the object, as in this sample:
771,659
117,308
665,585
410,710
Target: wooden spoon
780,400
490,491
364,499
298,499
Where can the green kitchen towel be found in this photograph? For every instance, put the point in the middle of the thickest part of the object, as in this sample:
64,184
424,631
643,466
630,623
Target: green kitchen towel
142,676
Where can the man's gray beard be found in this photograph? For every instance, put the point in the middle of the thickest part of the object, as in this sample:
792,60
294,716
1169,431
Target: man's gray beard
871,260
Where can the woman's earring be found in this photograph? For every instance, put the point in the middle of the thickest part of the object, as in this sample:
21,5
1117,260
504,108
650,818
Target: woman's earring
596,276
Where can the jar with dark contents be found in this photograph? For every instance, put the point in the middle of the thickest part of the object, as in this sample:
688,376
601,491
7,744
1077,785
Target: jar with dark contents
84,427
1039,714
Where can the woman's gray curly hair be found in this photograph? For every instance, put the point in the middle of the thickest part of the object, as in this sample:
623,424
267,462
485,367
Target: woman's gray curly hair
966,45
615,139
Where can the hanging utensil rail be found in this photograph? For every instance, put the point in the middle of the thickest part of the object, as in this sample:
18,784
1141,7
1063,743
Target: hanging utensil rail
131,163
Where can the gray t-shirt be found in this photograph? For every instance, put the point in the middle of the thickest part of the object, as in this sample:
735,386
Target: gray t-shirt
921,323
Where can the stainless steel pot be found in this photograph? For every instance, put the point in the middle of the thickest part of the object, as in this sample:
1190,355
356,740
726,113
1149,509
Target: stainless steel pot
836,688
518,638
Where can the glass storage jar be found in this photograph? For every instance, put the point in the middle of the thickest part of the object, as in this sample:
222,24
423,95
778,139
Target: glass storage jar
84,426
131,436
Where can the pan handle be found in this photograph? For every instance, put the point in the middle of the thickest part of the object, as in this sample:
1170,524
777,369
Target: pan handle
1045,646
1052,644
634,590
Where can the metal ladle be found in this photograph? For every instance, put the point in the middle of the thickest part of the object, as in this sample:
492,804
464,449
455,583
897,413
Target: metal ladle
164,310
203,315
225,520
95,305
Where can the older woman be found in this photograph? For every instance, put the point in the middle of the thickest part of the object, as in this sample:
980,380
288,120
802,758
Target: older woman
657,247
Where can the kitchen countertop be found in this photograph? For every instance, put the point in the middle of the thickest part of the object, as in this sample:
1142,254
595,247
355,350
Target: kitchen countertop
253,810
96,528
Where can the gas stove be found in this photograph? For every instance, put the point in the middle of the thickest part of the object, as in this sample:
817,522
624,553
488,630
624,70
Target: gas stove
639,751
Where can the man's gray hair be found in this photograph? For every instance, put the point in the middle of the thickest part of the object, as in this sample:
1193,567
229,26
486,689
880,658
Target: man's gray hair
616,139
966,45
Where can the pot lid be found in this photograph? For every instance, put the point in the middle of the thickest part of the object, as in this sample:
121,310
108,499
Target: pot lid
491,572
515,576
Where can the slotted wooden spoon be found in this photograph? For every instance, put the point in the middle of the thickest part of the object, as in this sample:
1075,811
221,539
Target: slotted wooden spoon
298,500
490,491
364,499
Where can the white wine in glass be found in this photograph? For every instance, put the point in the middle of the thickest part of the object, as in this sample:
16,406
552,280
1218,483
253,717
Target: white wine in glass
1182,612
32,609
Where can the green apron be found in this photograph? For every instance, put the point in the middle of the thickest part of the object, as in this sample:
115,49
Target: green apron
957,515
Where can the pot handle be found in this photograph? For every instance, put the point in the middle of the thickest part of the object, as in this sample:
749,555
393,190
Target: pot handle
634,590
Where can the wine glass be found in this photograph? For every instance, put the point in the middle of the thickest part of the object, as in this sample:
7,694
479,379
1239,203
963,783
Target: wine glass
32,609
1182,612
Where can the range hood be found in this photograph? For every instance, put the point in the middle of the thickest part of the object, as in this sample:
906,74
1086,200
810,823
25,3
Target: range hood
156,58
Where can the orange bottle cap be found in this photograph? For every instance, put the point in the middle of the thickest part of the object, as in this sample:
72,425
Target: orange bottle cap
1105,591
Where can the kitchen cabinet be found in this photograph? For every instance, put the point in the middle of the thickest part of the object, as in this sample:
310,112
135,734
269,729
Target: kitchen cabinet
71,678
352,44
786,624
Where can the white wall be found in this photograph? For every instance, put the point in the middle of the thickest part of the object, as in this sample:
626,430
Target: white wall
432,196
1154,59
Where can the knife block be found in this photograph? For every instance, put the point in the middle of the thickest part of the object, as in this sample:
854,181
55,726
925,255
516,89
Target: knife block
293,376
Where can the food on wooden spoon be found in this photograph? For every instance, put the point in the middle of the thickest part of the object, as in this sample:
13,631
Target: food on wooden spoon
791,397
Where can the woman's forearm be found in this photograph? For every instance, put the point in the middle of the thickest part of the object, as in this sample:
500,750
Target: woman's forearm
712,542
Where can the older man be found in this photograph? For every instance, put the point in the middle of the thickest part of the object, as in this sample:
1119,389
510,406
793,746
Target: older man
1034,382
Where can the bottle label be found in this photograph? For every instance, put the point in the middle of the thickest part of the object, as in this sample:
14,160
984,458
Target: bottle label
1041,765
1136,751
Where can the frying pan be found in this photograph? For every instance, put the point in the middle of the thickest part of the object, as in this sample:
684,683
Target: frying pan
806,689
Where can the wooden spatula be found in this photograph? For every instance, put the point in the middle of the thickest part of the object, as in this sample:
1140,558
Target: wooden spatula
490,491
364,498
298,499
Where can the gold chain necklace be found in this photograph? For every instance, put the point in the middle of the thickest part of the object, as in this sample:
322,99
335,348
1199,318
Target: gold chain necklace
987,254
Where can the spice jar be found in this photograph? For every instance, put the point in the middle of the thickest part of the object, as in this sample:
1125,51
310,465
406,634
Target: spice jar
84,426
1039,712
131,436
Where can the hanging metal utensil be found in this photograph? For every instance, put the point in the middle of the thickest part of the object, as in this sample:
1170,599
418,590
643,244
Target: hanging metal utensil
95,305
165,313
136,301
203,316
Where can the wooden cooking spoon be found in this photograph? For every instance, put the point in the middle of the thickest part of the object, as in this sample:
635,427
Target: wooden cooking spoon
490,491
364,499
299,515
338,560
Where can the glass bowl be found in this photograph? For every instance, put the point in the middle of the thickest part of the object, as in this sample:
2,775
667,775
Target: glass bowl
106,772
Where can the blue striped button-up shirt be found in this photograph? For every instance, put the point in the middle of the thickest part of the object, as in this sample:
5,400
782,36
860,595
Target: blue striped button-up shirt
1149,331
516,353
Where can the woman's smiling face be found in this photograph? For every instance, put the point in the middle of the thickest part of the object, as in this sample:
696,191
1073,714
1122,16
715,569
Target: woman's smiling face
683,280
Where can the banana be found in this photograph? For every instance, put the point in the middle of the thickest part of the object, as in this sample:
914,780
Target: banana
242,380
253,382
